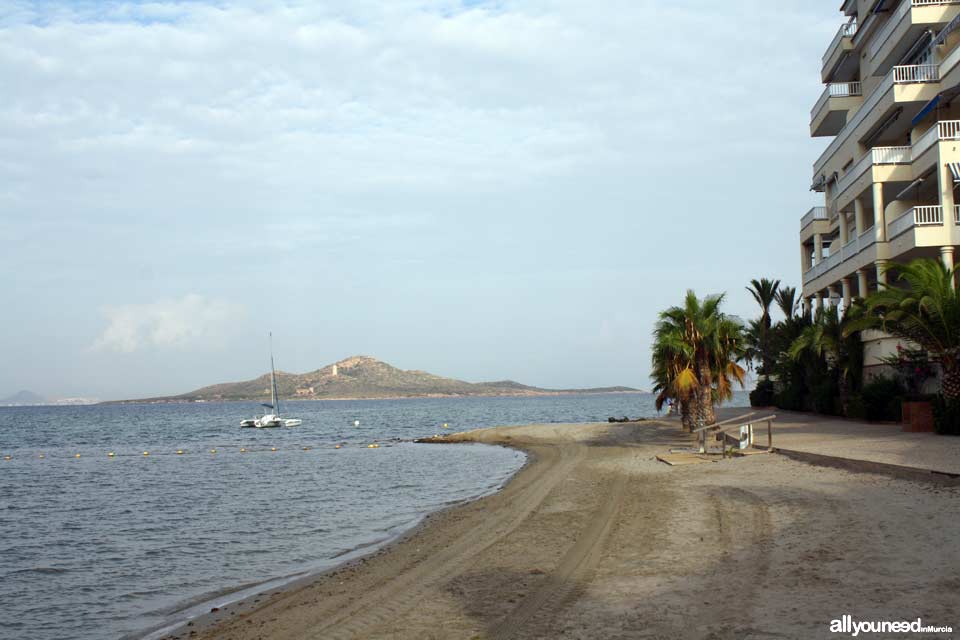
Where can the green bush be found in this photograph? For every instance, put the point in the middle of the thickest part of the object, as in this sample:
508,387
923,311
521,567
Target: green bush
824,396
856,407
881,399
764,395
946,417
790,398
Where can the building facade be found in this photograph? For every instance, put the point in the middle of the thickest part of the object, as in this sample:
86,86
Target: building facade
889,175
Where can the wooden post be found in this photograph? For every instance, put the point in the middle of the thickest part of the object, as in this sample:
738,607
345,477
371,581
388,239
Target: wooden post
769,435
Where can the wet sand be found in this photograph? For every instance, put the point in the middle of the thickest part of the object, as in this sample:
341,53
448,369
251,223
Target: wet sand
596,539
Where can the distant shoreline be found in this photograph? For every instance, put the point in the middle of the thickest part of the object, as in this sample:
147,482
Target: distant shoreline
408,397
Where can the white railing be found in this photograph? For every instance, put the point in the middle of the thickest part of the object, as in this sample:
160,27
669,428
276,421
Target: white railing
928,215
877,155
923,216
943,130
892,155
816,213
868,105
884,34
836,90
949,129
908,73
847,30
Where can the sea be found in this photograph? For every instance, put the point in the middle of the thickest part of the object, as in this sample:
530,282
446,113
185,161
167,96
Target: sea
190,511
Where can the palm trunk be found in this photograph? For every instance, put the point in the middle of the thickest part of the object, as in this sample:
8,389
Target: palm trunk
951,382
686,415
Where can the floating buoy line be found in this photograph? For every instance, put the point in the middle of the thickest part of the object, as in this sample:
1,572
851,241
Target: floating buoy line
146,453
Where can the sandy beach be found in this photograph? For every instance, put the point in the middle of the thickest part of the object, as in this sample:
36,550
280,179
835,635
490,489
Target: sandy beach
594,538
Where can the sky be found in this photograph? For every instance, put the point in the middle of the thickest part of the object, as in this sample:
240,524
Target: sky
482,190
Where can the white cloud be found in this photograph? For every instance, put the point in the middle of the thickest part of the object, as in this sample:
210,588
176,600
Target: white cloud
192,319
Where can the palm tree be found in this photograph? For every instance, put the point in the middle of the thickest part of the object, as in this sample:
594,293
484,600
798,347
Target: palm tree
786,298
924,311
764,291
826,340
695,354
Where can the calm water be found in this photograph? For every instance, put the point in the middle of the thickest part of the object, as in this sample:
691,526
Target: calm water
94,547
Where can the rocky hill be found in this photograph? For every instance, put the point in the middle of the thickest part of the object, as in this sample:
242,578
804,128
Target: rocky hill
363,377
23,398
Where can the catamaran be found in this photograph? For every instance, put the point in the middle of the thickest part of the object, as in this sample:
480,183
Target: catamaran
272,419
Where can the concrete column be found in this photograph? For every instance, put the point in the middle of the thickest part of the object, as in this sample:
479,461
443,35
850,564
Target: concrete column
858,219
945,184
818,247
946,254
832,295
879,219
847,295
881,275
804,306
862,285
818,300
843,229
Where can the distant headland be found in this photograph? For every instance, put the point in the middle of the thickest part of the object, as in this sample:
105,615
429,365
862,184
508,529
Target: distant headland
366,378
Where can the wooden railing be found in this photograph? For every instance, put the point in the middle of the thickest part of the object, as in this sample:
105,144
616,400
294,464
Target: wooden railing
736,424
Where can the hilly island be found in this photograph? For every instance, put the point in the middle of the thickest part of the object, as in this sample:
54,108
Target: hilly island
363,377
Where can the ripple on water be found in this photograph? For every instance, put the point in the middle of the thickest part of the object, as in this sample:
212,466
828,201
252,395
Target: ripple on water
104,547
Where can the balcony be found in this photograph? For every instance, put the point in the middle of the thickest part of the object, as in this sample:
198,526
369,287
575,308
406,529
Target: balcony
910,84
903,28
816,213
877,156
829,114
837,61
925,216
842,255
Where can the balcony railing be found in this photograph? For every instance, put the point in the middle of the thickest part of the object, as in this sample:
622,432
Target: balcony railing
924,216
943,130
910,73
836,90
847,30
816,213
877,155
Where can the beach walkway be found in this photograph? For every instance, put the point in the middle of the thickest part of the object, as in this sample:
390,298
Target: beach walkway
595,538
856,441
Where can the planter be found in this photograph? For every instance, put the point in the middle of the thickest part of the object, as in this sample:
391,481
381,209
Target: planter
917,416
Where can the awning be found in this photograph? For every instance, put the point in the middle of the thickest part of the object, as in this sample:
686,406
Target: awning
947,30
906,192
927,108
955,170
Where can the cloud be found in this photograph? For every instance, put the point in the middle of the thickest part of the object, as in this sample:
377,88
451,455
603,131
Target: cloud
192,319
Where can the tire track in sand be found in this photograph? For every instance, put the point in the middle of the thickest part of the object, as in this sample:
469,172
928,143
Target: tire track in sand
381,606
574,569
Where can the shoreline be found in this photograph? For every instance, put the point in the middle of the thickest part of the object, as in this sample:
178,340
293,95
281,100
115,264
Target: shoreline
199,615
594,538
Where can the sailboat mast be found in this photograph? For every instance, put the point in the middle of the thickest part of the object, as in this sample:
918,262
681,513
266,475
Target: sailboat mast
274,396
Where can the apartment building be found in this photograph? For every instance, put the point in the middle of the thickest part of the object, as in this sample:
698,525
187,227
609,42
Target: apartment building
890,174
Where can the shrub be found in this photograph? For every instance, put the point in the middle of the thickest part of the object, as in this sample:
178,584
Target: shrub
824,397
881,399
790,398
856,407
946,417
764,395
